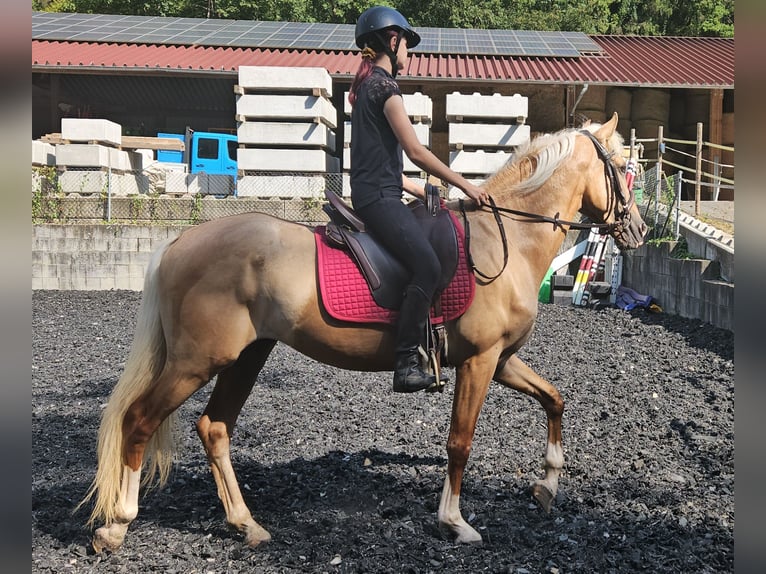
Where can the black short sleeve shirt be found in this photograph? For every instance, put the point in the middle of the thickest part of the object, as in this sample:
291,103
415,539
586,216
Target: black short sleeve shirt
376,156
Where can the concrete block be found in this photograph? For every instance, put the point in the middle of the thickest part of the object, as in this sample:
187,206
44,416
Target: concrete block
290,134
92,155
462,106
83,182
419,107
290,108
43,153
251,159
176,183
561,296
91,130
488,135
477,162
288,79
281,186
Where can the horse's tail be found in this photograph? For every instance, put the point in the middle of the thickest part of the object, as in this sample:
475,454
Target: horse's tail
144,364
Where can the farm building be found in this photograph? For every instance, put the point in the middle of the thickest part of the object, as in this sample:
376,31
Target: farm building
154,74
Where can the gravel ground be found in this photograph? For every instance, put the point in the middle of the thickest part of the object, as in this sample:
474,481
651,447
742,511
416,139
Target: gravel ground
346,475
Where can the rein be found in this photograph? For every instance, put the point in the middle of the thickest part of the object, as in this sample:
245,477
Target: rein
603,228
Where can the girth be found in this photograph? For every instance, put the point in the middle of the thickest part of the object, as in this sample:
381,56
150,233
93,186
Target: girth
385,275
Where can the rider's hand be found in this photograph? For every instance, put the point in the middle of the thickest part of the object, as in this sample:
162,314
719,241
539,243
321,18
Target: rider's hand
479,194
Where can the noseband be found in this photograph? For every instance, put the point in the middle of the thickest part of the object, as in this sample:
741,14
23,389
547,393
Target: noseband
622,219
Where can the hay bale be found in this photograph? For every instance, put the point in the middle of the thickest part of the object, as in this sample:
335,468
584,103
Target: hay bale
595,116
677,114
593,99
646,128
650,104
624,127
697,108
619,100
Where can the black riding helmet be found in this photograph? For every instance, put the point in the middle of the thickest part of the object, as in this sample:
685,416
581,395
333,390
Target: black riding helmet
373,21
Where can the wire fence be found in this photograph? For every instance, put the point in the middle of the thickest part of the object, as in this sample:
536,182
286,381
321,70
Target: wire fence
91,195
705,170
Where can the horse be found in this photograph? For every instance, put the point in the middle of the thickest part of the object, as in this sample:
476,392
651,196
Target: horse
218,298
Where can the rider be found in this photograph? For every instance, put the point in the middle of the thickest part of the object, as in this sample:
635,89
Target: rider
381,129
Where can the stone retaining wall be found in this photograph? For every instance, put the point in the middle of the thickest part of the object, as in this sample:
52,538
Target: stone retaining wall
96,257
691,288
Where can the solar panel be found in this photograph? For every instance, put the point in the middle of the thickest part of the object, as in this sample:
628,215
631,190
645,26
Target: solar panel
317,36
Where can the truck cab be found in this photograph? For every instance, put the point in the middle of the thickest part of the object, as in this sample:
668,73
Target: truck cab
205,152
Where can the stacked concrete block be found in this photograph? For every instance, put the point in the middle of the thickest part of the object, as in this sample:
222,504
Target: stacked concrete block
91,131
420,110
286,123
91,161
43,154
483,132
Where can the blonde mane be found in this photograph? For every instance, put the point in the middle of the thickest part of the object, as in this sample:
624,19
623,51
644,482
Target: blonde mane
540,157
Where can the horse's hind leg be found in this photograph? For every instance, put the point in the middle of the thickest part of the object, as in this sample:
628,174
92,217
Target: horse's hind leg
139,424
215,428
517,375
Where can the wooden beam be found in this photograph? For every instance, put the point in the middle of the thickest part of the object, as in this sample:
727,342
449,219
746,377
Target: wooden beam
130,142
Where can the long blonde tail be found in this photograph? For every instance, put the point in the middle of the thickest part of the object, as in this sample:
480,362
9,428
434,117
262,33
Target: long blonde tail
144,364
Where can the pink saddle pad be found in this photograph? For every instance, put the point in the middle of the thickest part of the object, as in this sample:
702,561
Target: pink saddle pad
347,297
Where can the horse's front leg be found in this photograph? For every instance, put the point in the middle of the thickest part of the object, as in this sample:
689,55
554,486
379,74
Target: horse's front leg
472,382
517,375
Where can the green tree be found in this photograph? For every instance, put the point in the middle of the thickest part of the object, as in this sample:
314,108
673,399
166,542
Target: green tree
641,17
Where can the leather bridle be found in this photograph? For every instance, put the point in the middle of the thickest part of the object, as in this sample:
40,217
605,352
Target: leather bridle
622,219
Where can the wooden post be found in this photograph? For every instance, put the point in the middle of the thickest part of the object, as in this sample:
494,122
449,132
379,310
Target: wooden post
658,189
698,171
715,121
679,186
632,141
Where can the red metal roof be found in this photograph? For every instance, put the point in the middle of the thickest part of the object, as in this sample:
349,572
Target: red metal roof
627,60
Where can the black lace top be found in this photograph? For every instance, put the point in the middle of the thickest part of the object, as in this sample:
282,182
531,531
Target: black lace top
376,156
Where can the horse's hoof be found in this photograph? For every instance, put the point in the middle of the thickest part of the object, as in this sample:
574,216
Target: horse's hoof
255,536
105,539
543,496
461,535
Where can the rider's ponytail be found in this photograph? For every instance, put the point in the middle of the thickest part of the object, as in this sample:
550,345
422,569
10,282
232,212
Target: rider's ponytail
373,48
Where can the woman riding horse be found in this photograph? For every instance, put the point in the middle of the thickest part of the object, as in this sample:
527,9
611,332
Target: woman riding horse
380,130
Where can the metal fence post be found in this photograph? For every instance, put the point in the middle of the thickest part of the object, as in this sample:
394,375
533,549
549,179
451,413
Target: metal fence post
109,189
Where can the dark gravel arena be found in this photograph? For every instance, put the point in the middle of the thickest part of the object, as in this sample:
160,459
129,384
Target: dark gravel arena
347,475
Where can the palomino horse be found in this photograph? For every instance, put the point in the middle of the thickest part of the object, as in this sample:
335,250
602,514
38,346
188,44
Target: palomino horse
218,298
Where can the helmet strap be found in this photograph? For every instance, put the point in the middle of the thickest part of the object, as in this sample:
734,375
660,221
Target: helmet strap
392,55
386,41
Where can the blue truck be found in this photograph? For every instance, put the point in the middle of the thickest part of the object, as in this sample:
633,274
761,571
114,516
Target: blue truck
204,152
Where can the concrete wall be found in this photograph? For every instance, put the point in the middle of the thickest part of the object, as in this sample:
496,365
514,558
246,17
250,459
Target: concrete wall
691,288
98,257
94,257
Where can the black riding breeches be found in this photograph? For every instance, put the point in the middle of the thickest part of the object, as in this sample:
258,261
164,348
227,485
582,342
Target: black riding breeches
393,224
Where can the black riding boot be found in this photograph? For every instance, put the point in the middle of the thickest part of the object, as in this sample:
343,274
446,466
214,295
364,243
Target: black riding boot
409,376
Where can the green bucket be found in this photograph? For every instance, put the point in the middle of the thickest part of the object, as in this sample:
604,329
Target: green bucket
544,294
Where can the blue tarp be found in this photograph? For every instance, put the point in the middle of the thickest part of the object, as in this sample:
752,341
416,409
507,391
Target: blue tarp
628,299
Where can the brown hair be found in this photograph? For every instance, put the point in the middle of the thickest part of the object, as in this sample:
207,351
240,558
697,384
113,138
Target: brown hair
369,56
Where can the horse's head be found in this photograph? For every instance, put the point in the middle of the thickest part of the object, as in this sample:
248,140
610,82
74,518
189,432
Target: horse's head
607,198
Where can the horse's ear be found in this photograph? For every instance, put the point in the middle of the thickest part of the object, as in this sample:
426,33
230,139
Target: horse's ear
605,131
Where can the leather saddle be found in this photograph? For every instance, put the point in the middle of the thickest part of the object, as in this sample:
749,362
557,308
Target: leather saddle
386,277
